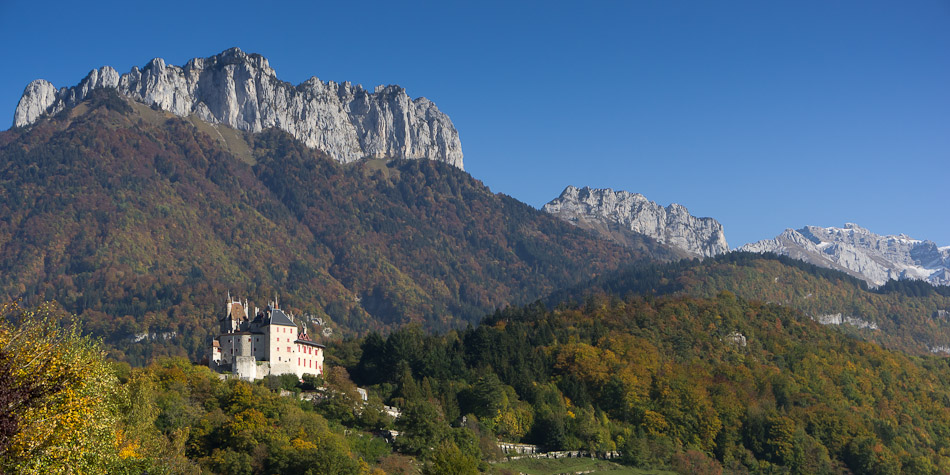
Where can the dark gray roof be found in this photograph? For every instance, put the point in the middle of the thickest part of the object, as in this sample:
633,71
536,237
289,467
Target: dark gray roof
309,343
278,317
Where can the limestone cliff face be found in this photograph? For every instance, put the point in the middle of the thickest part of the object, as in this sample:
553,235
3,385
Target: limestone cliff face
242,91
861,253
601,209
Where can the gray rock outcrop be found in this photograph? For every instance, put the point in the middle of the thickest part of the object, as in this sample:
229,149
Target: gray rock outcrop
861,253
839,319
242,91
600,209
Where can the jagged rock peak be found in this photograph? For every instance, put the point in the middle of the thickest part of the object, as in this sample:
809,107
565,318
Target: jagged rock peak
673,225
242,91
862,253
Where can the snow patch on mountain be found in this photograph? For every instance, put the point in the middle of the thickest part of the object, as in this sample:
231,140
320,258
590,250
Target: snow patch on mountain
861,253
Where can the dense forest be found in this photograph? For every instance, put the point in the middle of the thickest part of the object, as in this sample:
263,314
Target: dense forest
745,386
141,222
712,385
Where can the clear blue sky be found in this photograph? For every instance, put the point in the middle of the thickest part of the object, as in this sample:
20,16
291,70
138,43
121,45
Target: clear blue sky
763,115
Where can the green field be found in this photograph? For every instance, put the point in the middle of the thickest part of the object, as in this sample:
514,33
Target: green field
569,465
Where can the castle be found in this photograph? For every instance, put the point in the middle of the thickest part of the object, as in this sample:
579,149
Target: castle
267,344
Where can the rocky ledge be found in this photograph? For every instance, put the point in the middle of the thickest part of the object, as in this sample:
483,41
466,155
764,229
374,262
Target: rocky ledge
242,91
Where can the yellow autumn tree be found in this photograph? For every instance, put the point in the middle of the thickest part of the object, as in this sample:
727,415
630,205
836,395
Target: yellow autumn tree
58,397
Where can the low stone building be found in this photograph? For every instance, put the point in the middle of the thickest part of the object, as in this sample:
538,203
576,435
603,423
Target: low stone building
269,343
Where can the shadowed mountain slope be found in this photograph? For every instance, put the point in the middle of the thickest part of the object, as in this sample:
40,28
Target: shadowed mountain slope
141,221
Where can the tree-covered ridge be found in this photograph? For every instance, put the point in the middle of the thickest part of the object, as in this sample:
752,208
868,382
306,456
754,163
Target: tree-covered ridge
723,382
911,316
141,222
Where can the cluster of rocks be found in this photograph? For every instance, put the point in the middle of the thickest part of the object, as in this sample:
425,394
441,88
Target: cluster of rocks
736,338
600,209
242,91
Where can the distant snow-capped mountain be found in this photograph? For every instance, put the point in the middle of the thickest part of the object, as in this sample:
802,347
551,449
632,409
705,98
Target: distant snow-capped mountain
861,253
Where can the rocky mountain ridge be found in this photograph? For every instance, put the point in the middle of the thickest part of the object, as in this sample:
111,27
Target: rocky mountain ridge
603,210
861,253
242,91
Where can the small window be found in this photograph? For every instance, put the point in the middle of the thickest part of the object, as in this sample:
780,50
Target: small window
288,349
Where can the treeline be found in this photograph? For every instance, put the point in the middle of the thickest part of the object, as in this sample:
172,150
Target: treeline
913,288
723,383
659,278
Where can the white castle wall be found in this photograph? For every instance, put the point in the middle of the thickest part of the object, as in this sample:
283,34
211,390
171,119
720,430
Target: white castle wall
282,349
245,367
310,360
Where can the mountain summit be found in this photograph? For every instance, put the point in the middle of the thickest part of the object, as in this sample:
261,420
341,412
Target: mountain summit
616,213
861,253
242,91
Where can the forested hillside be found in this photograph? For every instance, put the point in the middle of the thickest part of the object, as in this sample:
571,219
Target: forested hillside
141,222
697,385
910,316
708,384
